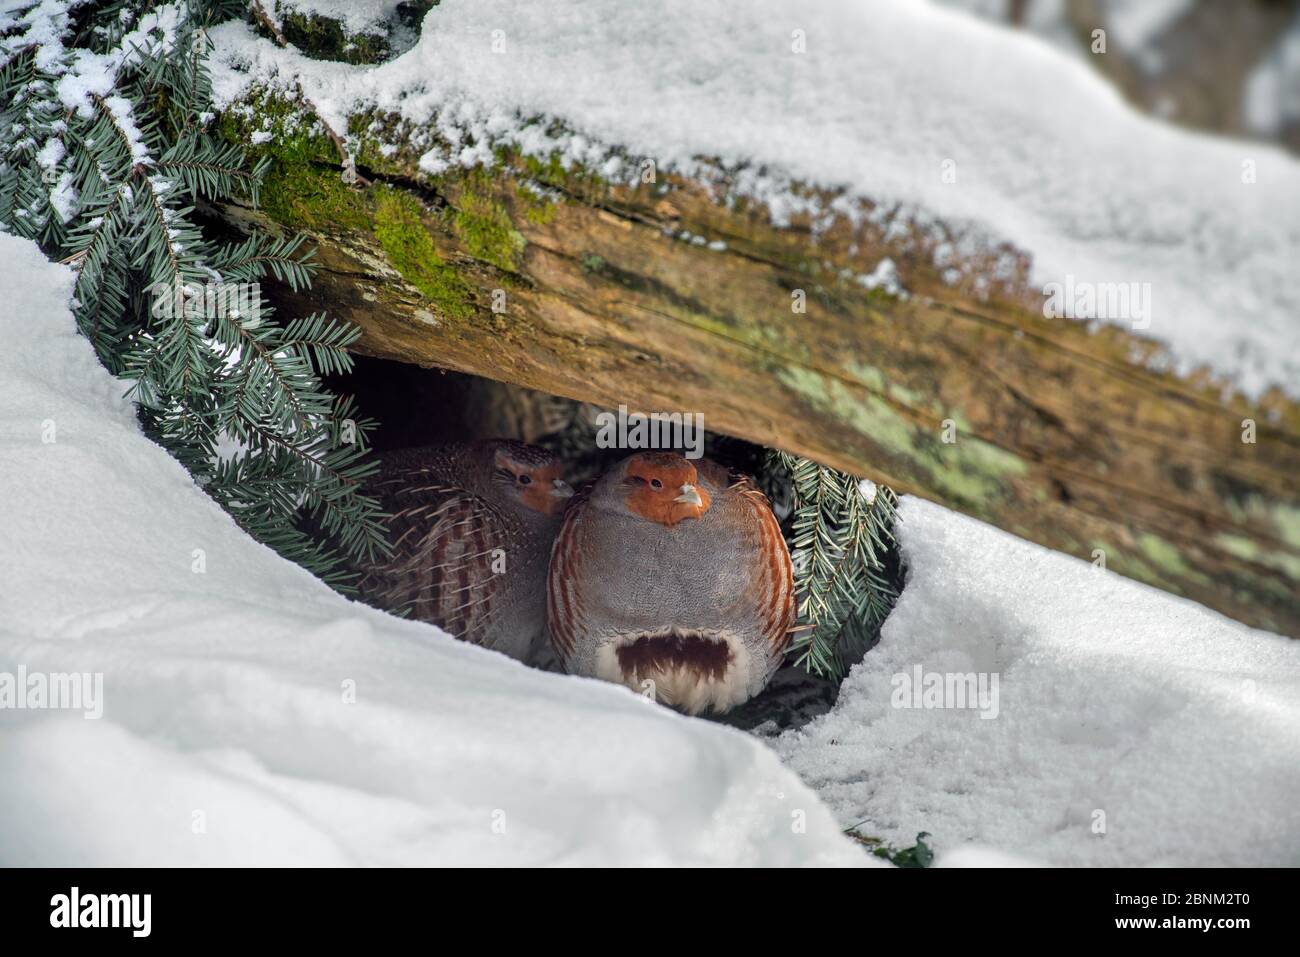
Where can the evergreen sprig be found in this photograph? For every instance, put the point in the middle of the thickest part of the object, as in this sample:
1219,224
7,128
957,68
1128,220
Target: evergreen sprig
841,538
105,154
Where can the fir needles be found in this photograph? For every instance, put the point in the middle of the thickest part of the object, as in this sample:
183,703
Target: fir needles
842,533
105,154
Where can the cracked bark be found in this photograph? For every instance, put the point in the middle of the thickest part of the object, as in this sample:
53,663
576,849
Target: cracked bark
1064,436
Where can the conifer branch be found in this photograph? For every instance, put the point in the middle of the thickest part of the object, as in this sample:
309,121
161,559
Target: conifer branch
104,183
841,539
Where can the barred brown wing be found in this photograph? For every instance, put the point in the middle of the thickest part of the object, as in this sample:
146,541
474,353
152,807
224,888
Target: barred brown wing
445,542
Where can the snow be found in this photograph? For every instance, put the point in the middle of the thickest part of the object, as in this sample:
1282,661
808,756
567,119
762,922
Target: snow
884,277
1045,154
974,855
226,736
1180,726
82,76
42,25
49,155
91,74
357,16
120,107
63,196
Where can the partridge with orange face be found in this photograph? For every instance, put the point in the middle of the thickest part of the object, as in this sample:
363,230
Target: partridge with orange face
471,529
676,575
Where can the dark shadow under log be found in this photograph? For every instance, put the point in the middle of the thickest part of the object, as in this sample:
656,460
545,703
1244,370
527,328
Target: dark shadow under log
559,282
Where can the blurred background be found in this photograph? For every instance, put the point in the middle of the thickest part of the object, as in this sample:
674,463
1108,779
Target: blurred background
1224,66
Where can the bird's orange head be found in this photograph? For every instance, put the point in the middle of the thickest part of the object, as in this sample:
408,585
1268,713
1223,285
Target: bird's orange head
664,487
531,475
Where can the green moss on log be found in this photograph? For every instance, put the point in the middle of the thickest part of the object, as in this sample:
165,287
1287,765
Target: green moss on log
301,189
270,123
325,38
399,227
485,227
968,470
307,197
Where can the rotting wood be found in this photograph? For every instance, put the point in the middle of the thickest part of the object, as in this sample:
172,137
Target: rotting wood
1064,434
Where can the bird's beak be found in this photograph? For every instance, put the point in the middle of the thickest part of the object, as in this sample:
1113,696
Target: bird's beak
690,496
561,489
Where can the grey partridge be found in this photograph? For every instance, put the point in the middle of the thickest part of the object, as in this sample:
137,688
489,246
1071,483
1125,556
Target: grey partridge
673,578
471,528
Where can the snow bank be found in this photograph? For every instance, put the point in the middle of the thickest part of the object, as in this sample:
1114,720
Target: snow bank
357,16
1131,728
885,97
226,737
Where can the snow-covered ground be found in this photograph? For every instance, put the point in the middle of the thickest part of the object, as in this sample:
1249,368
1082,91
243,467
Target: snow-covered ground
1128,727
881,100
227,735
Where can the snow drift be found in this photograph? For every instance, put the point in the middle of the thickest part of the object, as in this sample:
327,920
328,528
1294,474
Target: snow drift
1130,728
252,716
880,100
227,736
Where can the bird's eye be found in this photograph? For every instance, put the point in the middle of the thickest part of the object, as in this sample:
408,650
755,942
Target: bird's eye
525,479
656,483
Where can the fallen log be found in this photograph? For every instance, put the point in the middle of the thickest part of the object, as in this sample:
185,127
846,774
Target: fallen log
676,295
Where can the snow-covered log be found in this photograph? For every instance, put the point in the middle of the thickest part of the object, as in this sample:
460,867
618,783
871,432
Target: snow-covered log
879,337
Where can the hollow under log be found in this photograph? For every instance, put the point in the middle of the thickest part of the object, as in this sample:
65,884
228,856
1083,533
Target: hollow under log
673,296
